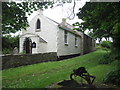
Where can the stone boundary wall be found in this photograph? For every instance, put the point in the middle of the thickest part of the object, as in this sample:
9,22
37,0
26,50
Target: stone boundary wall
11,61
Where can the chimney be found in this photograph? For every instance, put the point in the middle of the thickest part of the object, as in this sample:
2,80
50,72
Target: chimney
63,19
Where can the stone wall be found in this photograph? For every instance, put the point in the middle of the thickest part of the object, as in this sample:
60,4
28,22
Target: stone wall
11,61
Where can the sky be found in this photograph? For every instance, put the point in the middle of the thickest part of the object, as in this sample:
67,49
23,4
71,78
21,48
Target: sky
59,12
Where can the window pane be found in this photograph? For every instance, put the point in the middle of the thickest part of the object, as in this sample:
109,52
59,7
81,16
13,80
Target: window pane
38,24
75,40
65,36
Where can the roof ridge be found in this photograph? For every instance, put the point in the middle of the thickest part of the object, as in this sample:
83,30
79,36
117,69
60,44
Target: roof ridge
52,20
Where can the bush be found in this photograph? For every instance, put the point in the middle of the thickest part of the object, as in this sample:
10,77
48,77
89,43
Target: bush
6,51
106,44
113,77
116,53
107,58
9,43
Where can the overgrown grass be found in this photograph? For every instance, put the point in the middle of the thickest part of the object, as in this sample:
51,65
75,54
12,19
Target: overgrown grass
45,74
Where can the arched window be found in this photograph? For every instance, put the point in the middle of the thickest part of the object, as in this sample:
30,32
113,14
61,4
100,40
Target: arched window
38,25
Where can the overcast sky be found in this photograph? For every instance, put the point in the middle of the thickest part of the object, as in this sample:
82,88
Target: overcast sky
59,12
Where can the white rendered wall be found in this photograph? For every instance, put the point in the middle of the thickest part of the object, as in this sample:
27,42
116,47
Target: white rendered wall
33,38
81,41
71,48
48,33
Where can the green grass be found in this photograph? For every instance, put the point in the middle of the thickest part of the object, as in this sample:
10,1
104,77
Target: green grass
45,74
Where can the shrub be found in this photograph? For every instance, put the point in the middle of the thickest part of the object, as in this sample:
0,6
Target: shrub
6,51
116,53
106,44
9,43
113,77
107,58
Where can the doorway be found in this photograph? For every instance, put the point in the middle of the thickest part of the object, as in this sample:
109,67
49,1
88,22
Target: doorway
27,45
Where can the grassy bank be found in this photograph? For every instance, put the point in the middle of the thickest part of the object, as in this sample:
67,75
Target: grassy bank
45,74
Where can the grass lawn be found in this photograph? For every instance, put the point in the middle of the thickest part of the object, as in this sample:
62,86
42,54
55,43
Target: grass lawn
45,74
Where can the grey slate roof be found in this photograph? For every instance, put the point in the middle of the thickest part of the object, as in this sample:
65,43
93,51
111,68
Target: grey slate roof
65,26
52,20
68,27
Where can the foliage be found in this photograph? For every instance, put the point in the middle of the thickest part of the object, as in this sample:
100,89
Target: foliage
6,51
107,58
99,47
113,77
9,43
23,52
116,35
14,15
78,26
91,34
115,54
44,74
103,19
106,44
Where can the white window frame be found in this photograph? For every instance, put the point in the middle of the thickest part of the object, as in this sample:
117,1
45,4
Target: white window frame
66,37
76,41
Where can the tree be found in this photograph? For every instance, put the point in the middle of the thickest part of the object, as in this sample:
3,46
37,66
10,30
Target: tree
9,43
14,18
78,27
103,18
14,15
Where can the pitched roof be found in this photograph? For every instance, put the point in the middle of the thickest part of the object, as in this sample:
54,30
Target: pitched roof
52,20
65,26
40,39
68,27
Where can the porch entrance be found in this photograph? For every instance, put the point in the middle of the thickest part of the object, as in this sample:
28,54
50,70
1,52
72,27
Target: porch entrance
27,45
